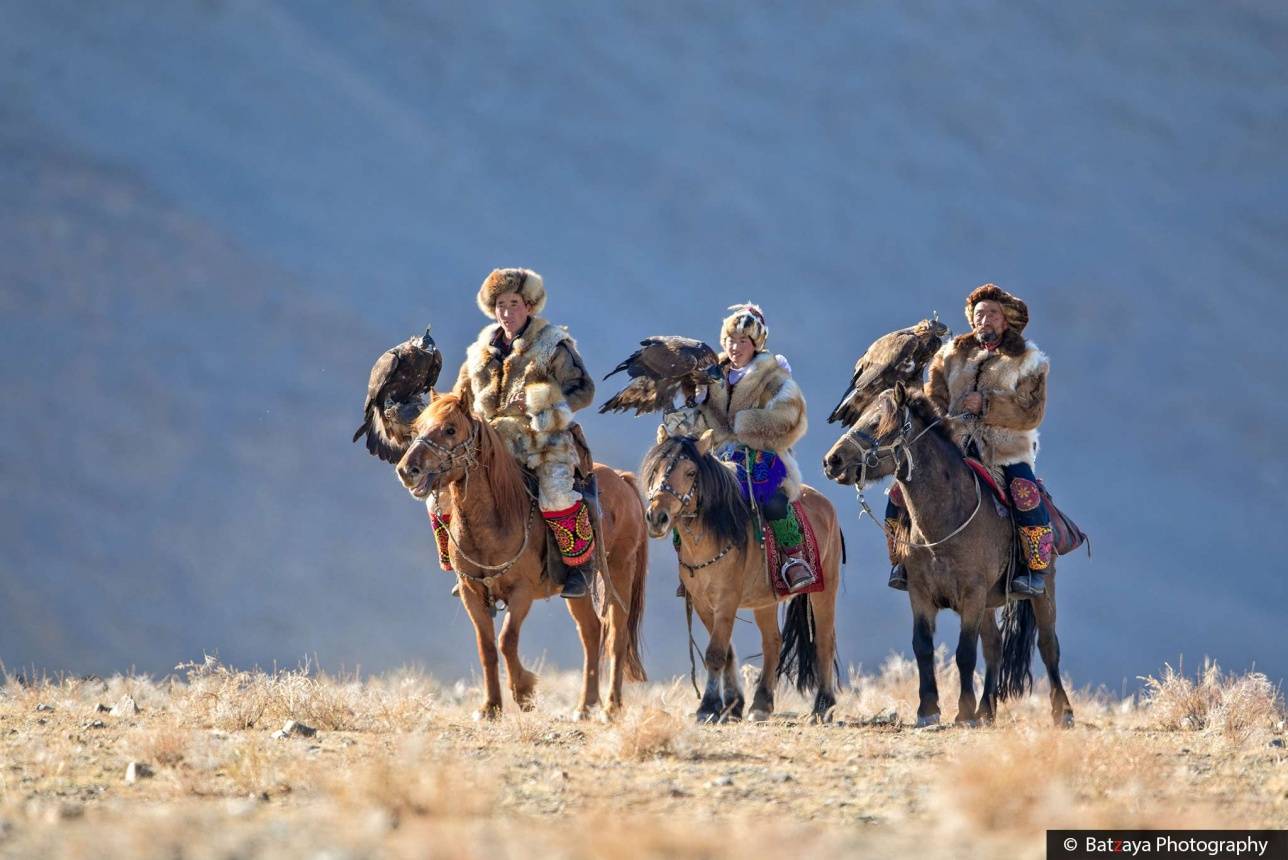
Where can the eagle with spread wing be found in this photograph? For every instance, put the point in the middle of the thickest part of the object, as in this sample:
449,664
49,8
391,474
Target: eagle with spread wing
661,368
899,356
395,395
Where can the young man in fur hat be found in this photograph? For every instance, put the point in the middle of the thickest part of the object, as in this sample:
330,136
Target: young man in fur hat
525,377
757,412
990,384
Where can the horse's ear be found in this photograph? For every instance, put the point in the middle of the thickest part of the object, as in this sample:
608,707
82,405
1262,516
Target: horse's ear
705,442
662,435
900,394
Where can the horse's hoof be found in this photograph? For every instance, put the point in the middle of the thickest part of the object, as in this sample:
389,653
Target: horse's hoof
758,716
579,715
708,718
927,721
1064,721
487,713
967,723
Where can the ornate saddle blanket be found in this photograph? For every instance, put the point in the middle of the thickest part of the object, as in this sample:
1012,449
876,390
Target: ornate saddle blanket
774,560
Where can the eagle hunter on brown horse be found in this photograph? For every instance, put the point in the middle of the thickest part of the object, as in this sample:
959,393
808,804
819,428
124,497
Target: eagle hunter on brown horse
712,489
953,547
513,403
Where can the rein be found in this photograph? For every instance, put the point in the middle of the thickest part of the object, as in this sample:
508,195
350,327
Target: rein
871,454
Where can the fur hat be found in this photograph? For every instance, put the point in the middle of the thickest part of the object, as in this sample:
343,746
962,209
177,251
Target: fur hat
1015,311
525,282
746,319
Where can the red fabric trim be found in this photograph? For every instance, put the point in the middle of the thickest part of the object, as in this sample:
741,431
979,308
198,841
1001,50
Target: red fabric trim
774,557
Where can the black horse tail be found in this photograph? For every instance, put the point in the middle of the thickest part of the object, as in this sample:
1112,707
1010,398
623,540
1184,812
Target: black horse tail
1019,635
799,658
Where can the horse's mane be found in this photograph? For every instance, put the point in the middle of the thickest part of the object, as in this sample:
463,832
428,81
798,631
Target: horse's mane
721,507
920,405
504,476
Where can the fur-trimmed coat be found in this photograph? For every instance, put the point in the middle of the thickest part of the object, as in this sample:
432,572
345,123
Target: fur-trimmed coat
765,410
546,368
1013,382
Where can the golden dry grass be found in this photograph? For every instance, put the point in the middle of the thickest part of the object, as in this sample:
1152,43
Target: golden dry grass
399,769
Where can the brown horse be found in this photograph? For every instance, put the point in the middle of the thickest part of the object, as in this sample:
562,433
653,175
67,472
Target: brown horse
958,554
498,548
723,570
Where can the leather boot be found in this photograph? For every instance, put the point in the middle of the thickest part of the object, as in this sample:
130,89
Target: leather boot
1027,584
898,578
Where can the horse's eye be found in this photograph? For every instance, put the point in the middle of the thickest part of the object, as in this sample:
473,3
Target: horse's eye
689,473
451,431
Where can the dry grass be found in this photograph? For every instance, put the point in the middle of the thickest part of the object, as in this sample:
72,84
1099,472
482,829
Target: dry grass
399,769
1233,706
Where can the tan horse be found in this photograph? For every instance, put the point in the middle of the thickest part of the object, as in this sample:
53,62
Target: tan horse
498,544
722,568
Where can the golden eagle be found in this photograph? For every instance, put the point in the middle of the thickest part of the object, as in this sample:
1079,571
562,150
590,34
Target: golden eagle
899,356
660,368
395,395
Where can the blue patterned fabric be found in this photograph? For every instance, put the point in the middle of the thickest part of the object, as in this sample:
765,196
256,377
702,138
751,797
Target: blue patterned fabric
767,473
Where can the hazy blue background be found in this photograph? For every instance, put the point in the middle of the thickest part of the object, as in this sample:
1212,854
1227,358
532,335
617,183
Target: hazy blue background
215,215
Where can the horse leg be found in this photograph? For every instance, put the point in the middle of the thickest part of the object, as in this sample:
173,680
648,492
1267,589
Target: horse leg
1049,648
967,655
823,605
732,700
992,641
719,624
476,607
923,647
588,628
771,645
523,684
615,638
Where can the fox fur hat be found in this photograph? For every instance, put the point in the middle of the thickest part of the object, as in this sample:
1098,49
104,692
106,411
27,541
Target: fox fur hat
1015,311
525,282
746,319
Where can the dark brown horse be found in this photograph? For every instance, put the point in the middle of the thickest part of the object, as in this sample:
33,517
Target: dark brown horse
723,570
498,544
959,550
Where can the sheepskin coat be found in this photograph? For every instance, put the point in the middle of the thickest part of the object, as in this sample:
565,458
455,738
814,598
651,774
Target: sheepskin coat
543,365
765,410
1012,381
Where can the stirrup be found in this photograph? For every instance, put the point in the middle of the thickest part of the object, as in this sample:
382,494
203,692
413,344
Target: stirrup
795,587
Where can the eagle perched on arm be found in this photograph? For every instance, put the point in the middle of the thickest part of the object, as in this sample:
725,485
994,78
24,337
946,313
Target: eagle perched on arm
395,395
660,368
899,356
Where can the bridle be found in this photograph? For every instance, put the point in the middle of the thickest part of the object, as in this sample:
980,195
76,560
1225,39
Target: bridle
462,454
898,445
664,488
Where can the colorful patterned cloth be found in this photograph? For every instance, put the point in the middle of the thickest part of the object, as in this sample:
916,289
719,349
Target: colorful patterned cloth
439,525
573,533
767,473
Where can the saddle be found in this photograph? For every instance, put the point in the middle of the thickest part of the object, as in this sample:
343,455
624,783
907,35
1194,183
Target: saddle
1065,531
774,557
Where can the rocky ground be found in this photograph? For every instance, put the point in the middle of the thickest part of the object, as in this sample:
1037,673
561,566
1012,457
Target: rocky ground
208,764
